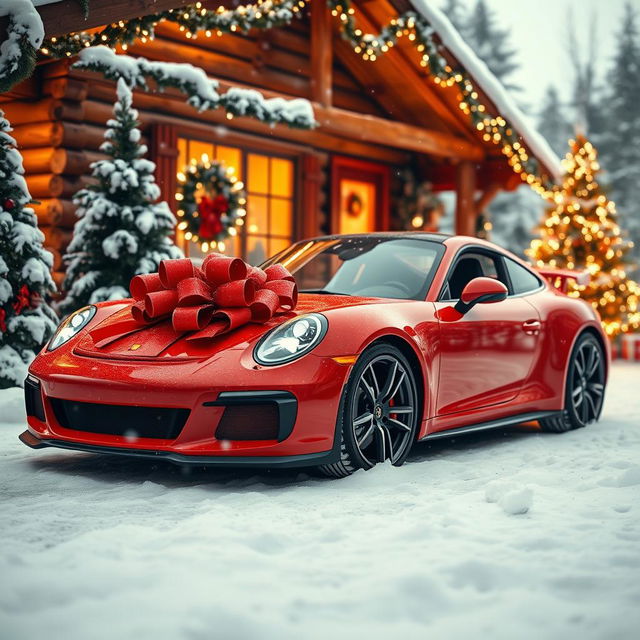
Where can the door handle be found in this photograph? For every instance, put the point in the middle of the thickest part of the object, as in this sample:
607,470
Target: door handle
531,327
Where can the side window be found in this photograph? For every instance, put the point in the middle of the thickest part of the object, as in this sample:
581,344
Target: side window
469,266
522,280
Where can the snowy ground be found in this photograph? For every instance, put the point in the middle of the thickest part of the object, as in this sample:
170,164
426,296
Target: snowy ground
94,548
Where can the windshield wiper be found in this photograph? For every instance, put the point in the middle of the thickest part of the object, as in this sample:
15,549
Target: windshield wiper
324,292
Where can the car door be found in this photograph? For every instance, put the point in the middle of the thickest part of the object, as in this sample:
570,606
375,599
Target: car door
485,356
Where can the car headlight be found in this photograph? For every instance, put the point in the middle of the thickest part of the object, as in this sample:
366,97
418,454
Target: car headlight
291,340
71,327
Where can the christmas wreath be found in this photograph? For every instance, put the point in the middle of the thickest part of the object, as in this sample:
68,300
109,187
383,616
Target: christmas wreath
211,201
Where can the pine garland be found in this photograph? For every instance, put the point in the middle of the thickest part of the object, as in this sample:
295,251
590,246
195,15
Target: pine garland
192,19
25,33
201,90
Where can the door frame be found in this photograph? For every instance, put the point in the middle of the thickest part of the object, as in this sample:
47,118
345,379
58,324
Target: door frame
346,168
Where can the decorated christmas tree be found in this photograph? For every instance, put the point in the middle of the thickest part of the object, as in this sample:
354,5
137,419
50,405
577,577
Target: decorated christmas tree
122,231
581,232
26,320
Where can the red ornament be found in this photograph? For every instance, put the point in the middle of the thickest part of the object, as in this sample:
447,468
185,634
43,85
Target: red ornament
3,324
8,204
23,300
211,211
224,294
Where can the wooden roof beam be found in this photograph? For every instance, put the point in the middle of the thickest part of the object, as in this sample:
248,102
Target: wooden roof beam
400,135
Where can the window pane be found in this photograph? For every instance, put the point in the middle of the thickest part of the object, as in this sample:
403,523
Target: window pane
278,244
257,249
232,157
522,280
197,148
258,178
281,217
281,177
183,157
257,215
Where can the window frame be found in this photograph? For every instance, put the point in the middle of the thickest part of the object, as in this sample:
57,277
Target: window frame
512,293
501,269
248,145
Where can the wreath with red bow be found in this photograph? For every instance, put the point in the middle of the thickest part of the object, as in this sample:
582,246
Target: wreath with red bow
211,203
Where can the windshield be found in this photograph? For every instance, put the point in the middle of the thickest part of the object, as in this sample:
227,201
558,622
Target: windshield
368,266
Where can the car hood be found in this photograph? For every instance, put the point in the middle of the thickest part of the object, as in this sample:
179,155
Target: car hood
119,337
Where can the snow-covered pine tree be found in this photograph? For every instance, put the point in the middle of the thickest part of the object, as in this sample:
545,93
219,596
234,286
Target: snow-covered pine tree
552,123
491,43
26,320
620,142
122,230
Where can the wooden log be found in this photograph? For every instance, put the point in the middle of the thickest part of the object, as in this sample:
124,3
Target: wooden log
48,185
82,136
65,88
44,160
58,278
58,261
38,134
67,16
55,211
20,113
56,238
79,162
45,185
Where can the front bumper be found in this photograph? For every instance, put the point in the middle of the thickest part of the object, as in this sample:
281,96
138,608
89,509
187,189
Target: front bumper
306,434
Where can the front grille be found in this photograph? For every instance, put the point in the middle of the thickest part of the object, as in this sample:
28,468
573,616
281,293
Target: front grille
120,420
249,422
33,399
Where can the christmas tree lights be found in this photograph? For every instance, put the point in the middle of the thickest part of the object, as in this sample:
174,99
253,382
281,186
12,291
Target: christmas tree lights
581,232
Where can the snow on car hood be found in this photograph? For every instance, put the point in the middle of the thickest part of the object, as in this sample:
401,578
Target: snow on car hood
120,337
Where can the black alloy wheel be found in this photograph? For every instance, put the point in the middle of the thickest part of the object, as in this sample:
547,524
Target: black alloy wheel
585,387
380,412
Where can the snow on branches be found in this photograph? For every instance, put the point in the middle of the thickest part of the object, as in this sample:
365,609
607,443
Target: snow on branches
122,231
25,33
26,320
201,90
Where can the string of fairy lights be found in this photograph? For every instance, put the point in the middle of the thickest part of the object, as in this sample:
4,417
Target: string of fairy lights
195,19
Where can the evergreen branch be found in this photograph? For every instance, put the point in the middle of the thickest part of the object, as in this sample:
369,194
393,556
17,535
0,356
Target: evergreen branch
201,90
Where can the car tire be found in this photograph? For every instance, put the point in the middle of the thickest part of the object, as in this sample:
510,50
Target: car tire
369,429
584,387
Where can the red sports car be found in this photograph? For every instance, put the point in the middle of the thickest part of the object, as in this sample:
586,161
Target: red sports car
396,338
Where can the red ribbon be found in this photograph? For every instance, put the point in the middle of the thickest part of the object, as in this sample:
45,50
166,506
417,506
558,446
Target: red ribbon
222,295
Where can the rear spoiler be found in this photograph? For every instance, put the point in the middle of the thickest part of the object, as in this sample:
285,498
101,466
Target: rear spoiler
559,278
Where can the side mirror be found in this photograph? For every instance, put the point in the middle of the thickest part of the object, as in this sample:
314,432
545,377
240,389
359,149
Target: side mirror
480,291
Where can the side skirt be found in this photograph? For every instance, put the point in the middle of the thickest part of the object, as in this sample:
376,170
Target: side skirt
492,424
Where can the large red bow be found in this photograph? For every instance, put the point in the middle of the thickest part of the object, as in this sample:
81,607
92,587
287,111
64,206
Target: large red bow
225,293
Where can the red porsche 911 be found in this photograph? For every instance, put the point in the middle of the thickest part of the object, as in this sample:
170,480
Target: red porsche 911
395,338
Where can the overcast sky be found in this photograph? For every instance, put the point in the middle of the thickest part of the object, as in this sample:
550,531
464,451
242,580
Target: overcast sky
540,30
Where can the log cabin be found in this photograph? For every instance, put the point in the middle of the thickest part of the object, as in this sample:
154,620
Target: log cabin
377,120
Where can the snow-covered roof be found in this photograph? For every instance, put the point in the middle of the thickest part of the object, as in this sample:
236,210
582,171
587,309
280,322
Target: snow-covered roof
490,85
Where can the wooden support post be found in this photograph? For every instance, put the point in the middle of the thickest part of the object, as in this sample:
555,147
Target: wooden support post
466,213
321,53
311,199
164,152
